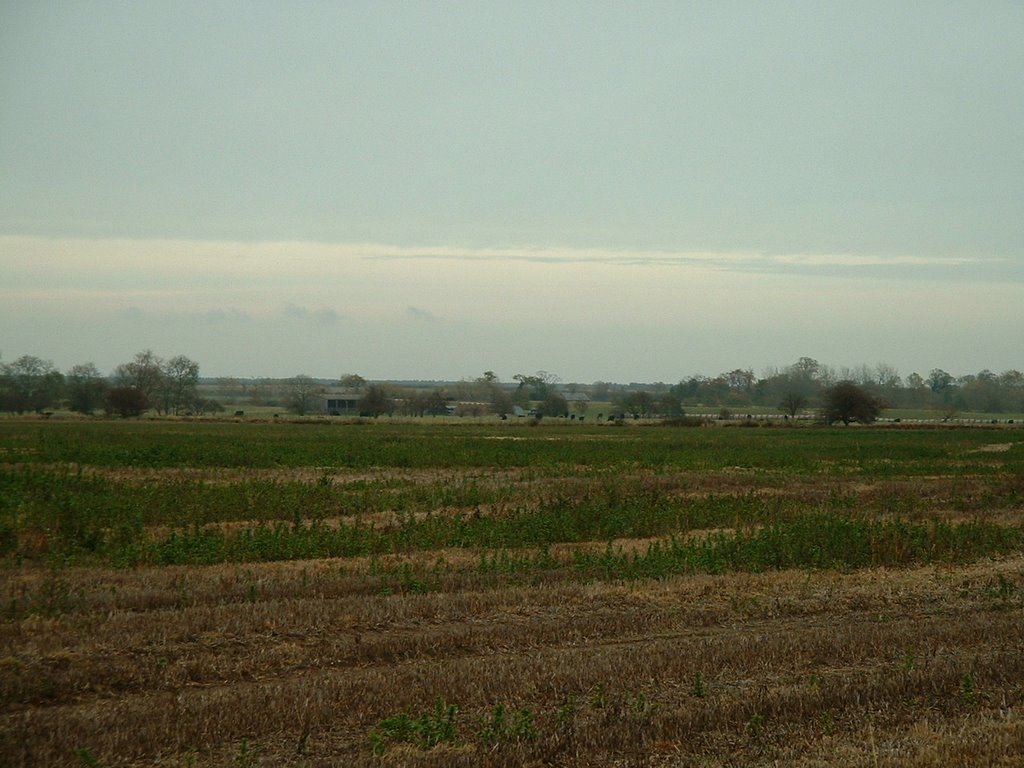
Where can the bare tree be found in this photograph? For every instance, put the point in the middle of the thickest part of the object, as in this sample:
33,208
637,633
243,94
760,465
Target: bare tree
740,379
352,381
806,367
637,402
491,391
939,381
376,401
670,405
85,388
554,405
143,373
180,378
29,384
538,385
300,394
792,403
887,377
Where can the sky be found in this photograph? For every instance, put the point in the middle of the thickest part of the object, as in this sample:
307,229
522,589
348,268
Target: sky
606,191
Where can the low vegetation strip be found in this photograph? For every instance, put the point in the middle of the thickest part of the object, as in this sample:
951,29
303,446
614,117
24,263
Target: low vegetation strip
94,520
366,446
810,541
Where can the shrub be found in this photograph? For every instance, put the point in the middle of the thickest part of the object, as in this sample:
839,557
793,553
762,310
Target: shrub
848,402
126,402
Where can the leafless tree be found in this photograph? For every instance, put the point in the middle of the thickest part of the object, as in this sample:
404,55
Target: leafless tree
300,394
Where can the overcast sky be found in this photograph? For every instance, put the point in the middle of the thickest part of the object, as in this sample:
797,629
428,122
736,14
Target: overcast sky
617,191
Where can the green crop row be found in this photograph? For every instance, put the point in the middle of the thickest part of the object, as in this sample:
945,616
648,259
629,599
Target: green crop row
39,497
814,540
88,520
875,452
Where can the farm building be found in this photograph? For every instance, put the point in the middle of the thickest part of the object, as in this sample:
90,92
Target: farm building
335,404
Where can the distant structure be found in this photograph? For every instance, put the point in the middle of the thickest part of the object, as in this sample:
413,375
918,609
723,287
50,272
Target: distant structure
339,404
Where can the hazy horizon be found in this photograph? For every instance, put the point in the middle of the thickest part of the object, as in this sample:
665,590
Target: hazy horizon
428,191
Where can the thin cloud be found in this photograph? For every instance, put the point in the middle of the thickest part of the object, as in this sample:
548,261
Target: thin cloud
322,316
825,264
243,269
325,317
212,316
421,315
219,316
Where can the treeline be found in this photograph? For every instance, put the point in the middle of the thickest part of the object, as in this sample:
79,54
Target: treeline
803,384
171,386
146,382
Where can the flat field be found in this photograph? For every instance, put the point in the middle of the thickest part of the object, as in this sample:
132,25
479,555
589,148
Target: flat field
417,594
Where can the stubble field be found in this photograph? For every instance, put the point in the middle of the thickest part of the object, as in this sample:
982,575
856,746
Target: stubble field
384,594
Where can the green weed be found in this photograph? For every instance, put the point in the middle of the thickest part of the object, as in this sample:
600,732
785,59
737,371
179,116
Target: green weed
755,725
968,691
504,725
426,730
699,689
247,756
87,758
